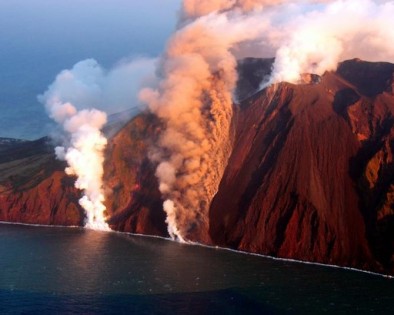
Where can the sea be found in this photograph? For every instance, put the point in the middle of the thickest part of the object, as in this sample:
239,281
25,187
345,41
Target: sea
55,270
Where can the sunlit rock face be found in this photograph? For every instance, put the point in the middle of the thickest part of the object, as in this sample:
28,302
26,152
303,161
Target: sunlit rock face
33,186
311,173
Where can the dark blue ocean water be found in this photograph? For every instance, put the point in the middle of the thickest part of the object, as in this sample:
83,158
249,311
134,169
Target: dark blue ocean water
66,271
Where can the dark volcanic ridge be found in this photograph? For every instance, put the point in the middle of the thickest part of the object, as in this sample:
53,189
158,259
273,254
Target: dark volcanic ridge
310,176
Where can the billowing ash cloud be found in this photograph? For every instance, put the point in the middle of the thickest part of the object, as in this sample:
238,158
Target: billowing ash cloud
193,97
78,100
196,77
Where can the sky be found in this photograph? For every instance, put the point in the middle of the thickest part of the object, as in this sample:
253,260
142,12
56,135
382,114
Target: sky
39,38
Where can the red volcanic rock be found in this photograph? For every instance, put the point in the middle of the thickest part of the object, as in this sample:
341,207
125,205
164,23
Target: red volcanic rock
34,188
133,199
311,174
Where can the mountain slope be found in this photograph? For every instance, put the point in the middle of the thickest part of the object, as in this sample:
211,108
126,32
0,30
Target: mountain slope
310,176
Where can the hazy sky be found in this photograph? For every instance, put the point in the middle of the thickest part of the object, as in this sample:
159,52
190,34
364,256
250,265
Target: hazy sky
127,26
38,38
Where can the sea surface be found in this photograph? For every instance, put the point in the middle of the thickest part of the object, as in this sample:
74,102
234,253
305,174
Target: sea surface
50,270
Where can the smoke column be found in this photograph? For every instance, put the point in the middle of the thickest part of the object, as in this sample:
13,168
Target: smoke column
193,98
84,155
69,101
196,77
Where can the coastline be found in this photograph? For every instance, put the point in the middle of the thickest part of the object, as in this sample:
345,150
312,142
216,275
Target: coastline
386,276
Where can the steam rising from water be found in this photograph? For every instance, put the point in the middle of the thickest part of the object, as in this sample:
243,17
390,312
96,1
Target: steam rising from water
69,100
83,148
84,155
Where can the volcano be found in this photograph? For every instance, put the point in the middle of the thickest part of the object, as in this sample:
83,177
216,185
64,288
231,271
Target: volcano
310,175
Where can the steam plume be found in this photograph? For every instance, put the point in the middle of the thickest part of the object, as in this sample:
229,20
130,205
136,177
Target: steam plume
69,100
317,41
311,36
84,155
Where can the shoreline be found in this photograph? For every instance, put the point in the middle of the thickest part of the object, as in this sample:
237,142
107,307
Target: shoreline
386,276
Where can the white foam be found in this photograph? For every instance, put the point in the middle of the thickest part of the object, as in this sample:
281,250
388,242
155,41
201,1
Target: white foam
42,225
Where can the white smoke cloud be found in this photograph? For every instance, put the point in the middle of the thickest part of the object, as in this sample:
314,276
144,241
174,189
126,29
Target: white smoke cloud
84,153
76,100
87,84
310,36
317,40
85,159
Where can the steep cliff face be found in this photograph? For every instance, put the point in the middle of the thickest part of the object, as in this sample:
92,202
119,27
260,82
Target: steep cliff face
133,199
33,186
311,175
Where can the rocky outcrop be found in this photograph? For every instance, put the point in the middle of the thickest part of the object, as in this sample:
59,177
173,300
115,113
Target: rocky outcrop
33,186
